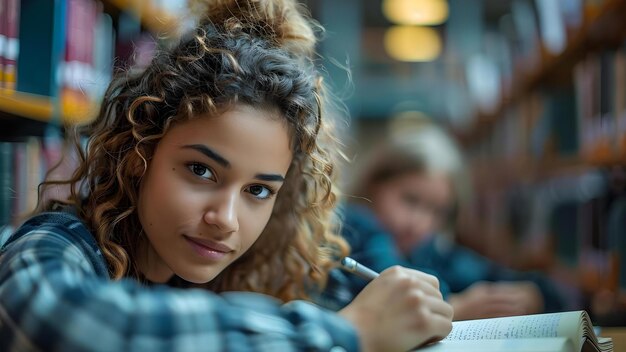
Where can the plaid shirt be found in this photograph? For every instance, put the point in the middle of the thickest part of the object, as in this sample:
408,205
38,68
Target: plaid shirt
56,294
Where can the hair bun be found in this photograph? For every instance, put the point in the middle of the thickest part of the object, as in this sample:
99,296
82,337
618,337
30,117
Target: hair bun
284,22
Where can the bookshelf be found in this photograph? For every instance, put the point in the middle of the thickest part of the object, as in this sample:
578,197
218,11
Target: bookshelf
601,28
27,105
55,106
549,164
56,59
151,16
41,108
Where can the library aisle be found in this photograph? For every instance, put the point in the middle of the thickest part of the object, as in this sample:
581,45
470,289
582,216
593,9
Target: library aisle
534,91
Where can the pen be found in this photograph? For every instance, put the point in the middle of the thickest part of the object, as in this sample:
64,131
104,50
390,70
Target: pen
353,266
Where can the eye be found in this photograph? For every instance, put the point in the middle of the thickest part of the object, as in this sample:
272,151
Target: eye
201,171
260,192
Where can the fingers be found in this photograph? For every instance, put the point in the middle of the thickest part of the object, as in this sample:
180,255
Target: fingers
439,307
408,279
433,319
420,290
441,327
424,277
400,308
523,298
488,300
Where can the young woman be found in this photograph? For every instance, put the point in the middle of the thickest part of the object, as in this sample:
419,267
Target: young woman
211,169
413,183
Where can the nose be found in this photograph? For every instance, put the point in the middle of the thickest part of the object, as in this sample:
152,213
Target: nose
422,224
222,213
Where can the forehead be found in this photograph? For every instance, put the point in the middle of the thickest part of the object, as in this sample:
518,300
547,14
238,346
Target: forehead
244,135
435,184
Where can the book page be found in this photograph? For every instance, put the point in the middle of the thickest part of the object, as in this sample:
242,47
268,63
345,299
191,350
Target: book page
543,344
527,326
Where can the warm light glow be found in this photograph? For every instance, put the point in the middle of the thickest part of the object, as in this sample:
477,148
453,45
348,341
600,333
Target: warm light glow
411,43
416,12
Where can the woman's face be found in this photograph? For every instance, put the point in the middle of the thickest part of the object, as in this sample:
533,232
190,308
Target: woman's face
412,206
209,192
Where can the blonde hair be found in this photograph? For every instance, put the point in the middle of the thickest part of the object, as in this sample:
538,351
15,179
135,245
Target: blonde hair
254,52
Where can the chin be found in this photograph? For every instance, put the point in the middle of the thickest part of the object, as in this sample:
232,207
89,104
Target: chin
198,278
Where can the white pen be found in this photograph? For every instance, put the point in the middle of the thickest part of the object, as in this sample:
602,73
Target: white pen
353,266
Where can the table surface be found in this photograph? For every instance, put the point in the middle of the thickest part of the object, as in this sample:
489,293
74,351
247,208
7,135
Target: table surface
618,334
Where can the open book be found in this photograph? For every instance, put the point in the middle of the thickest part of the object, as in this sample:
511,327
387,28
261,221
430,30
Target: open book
554,332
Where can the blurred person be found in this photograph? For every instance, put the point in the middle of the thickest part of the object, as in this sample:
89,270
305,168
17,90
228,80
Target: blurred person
209,172
410,189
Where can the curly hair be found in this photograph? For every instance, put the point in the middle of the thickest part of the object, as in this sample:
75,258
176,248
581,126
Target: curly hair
258,53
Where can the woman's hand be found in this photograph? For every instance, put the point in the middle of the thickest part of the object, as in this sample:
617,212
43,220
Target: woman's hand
399,310
497,299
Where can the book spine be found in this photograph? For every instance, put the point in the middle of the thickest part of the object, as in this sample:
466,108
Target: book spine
19,183
620,213
12,46
78,76
42,34
71,66
102,54
35,172
3,38
6,182
620,99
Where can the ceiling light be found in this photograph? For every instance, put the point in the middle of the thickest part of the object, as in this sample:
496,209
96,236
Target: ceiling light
412,43
416,12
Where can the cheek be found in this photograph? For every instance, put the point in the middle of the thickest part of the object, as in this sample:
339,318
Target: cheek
252,222
388,214
165,198
397,210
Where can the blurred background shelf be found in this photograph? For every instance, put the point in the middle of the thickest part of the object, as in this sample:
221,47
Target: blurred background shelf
57,57
602,28
26,105
156,19
41,108
535,92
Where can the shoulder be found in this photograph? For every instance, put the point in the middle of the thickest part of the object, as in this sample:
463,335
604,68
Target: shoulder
52,224
359,220
55,233
357,213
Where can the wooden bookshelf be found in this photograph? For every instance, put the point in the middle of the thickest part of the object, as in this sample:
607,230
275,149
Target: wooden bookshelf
41,108
151,17
76,108
26,105
591,35
501,170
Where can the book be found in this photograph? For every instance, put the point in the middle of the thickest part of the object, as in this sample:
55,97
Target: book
11,42
552,25
3,38
551,332
6,182
42,46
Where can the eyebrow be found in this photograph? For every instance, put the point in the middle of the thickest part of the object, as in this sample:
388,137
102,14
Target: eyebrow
270,177
209,153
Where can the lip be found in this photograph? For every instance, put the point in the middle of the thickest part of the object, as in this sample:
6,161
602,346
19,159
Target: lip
208,249
216,246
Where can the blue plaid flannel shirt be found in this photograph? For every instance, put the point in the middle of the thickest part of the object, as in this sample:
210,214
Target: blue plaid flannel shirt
56,295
